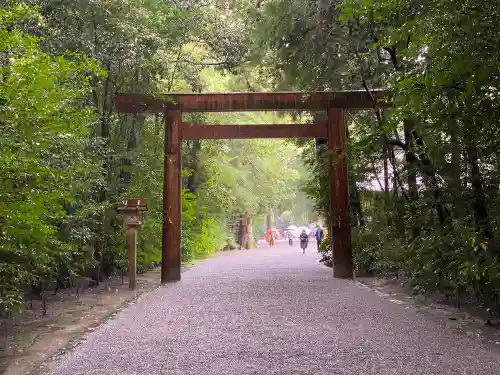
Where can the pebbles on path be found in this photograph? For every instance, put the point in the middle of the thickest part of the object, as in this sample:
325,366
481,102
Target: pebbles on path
273,311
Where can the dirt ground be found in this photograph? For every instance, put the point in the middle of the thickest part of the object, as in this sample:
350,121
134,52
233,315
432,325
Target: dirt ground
246,307
33,338
469,318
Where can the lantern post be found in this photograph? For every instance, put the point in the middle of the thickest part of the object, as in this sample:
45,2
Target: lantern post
131,211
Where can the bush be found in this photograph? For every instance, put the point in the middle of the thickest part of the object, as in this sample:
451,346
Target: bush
46,169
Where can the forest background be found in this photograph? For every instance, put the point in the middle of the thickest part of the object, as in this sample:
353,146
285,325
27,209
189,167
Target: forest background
423,176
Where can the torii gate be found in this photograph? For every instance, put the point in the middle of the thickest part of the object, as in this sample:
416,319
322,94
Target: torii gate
334,129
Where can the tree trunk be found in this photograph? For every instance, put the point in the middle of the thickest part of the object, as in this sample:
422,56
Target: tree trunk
355,203
194,166
100,244
386,171
241,232
483,225
354,197
251,243
132,144
412,176
269,219
456,167
431,178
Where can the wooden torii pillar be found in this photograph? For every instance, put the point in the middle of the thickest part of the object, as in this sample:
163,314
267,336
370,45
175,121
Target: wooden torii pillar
172,210
334,129
340,230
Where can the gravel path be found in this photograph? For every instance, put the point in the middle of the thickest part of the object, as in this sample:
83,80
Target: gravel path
274,312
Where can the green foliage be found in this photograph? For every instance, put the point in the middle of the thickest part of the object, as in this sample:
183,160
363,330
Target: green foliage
45,163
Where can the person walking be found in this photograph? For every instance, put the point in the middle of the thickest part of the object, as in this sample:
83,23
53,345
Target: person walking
290,238
270,237
247,241
319,237
304,239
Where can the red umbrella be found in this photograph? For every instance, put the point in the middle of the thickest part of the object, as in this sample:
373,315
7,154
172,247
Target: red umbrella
275,230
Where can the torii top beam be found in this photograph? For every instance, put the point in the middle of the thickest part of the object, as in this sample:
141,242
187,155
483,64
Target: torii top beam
253,101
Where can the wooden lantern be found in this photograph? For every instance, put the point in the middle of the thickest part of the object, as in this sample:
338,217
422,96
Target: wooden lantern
131,211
